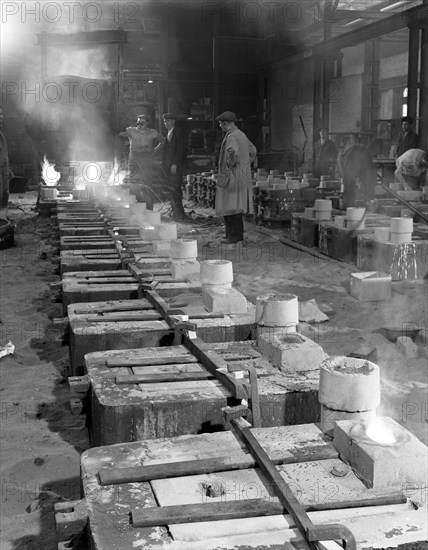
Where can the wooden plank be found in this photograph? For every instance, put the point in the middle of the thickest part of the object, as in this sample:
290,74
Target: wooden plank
100,256
207,315
120,307
151,361
150,315
80,276
212,511
106,280
217,511
164,377
138,272
73,238
113,476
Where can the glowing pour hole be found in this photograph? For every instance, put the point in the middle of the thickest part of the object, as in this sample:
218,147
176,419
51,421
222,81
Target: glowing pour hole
49,174
379,432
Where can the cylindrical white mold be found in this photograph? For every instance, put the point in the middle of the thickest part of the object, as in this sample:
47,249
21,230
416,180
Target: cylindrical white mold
184,249
277,310
401,225
323,205
400,238
354,214
216,272
349,384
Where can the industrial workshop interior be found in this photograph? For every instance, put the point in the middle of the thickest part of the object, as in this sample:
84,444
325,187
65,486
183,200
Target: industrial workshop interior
214,264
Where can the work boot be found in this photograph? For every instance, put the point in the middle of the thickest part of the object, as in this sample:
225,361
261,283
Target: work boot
229,240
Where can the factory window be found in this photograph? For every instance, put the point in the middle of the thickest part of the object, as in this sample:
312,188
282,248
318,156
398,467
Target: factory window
405,95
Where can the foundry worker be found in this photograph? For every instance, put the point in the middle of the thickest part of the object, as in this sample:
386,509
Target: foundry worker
408,138
5,171
173,163
411,169
233,193
325,155
144,175
359,176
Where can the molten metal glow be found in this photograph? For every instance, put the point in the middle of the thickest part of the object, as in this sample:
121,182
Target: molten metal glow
380,432
80,184
117,176
49,174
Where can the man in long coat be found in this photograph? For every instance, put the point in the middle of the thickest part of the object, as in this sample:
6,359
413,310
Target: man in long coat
5,171
233,193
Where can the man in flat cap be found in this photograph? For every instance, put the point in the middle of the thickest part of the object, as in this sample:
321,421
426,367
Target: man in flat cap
325,155
408,138
233,193
145,179
173,162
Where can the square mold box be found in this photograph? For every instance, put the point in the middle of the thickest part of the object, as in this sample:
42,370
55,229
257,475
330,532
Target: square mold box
370,286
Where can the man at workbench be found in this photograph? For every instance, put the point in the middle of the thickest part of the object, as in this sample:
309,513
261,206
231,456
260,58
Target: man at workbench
411,169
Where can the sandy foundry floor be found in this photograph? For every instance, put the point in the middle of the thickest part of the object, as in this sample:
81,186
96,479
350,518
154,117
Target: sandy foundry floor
41,442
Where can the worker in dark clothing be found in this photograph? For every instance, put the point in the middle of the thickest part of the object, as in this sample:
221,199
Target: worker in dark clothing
144,142
359,176
173,162
325,155
5,171
408,138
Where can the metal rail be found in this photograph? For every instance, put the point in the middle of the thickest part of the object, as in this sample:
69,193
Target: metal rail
313,533
406,203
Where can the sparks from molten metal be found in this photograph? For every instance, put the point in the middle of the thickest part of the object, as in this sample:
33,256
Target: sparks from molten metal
49,175
378,431
117,175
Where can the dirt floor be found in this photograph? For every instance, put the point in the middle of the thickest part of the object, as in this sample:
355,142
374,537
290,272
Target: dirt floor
41,441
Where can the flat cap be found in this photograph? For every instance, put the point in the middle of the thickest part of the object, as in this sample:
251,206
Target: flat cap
169,116
227,116
144,115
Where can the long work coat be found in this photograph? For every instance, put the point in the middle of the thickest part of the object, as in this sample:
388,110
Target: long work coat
233,193
4,170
